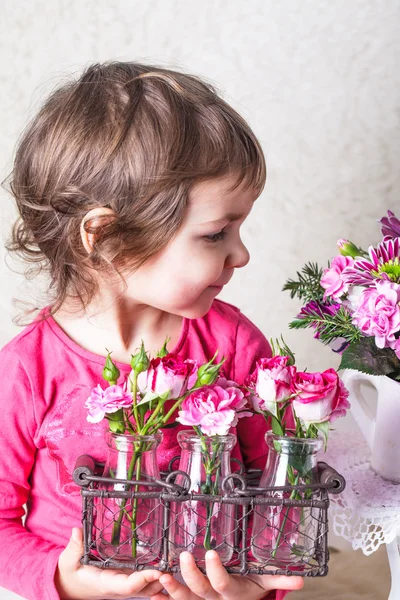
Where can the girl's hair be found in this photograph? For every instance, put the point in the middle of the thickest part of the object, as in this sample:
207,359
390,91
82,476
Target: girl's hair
130,137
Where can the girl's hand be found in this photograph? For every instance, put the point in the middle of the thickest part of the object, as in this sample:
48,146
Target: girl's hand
219,584
76,581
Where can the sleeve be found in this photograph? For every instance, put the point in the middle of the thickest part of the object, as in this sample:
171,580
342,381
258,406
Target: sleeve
28,565
251,345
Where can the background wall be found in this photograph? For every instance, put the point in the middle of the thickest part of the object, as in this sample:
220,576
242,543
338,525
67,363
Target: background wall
317,80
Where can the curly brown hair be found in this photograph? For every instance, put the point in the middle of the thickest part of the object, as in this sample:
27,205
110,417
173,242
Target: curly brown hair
130,137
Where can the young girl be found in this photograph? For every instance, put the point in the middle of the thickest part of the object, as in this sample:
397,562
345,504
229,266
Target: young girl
131,184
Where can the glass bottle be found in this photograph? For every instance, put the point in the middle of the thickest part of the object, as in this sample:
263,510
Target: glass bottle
201,525
130,529
287,535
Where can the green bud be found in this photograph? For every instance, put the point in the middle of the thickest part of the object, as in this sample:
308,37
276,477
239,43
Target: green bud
163,352
347,248
140,361
110,371
208,373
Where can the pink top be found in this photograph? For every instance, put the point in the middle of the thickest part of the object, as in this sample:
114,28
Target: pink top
46,379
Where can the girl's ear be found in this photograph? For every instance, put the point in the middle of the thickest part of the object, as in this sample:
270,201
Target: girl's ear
92,224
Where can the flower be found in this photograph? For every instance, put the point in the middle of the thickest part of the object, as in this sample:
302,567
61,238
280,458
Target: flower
168,373
320,311
105,401
390,225
384,264
214,408
271,381
332,279
378,314
319,396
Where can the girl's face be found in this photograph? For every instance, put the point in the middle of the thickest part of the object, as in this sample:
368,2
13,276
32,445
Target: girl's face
185,277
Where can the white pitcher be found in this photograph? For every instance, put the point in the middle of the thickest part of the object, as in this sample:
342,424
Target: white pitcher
382,430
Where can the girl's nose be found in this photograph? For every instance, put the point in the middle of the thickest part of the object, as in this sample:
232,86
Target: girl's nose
239,257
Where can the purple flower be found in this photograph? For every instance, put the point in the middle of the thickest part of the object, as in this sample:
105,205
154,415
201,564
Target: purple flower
105,401
384,265
318,309
332,280
390,225
378,314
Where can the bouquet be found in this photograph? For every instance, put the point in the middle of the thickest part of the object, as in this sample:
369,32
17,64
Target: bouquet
300,406
355,303
297,405
137,408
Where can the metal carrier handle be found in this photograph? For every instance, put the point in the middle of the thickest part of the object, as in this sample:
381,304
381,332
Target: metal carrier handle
86,467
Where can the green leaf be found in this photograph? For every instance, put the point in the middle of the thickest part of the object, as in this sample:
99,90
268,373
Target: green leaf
308,286
365,356
170,425
329,327
116,421
276,426
324,429
149,397
297,551
291,475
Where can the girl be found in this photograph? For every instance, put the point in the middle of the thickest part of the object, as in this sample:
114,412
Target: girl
131,184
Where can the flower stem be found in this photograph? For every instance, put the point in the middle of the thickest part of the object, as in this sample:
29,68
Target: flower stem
175,406
212,466
292,495
134,400
116,530
152,417
134,509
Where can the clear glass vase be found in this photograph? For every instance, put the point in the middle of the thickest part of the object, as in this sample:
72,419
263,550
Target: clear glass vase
287,535
130,529
201,525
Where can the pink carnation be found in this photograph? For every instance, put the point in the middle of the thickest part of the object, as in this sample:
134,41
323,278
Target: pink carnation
320,396
332,280
214,408
105,401
271,381
378,314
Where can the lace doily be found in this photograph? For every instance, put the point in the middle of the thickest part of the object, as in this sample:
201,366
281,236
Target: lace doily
367,513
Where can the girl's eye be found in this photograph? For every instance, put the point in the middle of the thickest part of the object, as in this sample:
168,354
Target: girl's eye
216,237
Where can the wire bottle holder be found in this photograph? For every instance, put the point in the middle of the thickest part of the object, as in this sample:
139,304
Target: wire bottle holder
240,490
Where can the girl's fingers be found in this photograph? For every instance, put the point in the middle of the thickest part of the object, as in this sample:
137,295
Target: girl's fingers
219,578
194,578
176,590
114,584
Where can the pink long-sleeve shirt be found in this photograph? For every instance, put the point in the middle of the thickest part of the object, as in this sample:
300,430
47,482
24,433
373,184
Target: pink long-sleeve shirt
45,381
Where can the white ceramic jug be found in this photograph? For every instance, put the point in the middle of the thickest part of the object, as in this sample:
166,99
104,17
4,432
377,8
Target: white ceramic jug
382,430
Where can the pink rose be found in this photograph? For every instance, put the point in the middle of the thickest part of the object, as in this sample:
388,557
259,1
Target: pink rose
271,381
105,401
168,373
378,314
332,280
213,408
319,396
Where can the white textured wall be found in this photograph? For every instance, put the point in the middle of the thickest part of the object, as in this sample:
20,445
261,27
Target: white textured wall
317,79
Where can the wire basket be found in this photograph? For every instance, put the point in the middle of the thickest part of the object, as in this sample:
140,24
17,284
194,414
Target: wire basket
241,496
